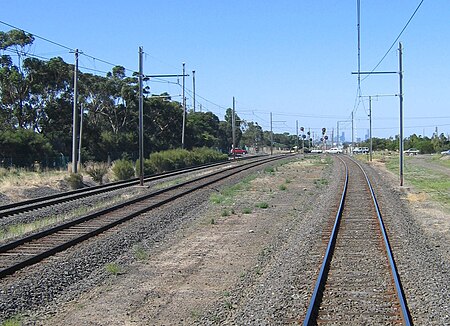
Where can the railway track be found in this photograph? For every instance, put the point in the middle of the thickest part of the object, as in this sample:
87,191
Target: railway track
358,283
46,201
31,249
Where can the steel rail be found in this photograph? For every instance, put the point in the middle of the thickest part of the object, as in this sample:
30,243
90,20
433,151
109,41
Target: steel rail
311,315
34,259
406,315
44,201
321,279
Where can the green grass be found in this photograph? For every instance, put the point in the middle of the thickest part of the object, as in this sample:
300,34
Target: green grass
139,253
247,210
437,159
427,180
262,205
282,187
227,194
228,305
14,321
114,269
321,182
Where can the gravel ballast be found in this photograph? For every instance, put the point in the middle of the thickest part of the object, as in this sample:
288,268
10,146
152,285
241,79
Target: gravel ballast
232,263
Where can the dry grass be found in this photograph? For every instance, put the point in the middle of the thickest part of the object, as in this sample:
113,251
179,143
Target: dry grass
417,197
13,181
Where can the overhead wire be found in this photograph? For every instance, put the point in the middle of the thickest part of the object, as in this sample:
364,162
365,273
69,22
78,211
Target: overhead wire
395,41
359,92
64,46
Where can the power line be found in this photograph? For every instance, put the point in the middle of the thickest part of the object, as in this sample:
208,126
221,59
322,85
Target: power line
37,36
65,47
359,92
25,54
395,41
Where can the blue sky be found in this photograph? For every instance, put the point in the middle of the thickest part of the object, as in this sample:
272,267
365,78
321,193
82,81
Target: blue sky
293,58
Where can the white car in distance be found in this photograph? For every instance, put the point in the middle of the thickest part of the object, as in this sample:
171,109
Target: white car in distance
334,150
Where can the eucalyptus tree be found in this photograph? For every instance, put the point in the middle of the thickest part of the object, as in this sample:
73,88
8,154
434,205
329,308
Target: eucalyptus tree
226,130
14,85
163,120
253,135
202,130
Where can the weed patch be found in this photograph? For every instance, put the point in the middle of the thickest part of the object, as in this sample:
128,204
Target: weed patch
14,321
262,205
321,182
139,253
113,269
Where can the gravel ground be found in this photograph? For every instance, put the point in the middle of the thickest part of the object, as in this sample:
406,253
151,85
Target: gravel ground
277,290
207,267
63,277
422,257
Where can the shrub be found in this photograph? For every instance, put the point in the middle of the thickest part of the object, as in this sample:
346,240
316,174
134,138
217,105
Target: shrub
149,167
180,158
263,205
75,180
205,155
123,169
161,161
96,170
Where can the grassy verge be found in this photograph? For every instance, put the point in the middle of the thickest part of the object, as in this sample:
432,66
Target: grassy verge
427,180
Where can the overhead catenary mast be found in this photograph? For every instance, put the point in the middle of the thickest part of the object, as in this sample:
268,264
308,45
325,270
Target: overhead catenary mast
75,115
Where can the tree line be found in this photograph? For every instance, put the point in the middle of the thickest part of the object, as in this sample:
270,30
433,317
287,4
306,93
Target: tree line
424,144
36,104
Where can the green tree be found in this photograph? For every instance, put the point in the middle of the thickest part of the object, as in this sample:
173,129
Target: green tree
24,147
14,86
201,130
253,135
225,131
163,121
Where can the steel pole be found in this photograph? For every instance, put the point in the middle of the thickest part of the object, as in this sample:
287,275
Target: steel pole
75,115
193,86
141,120
81,134
233,129
271,135
184,110
337,130
400,74
370,128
